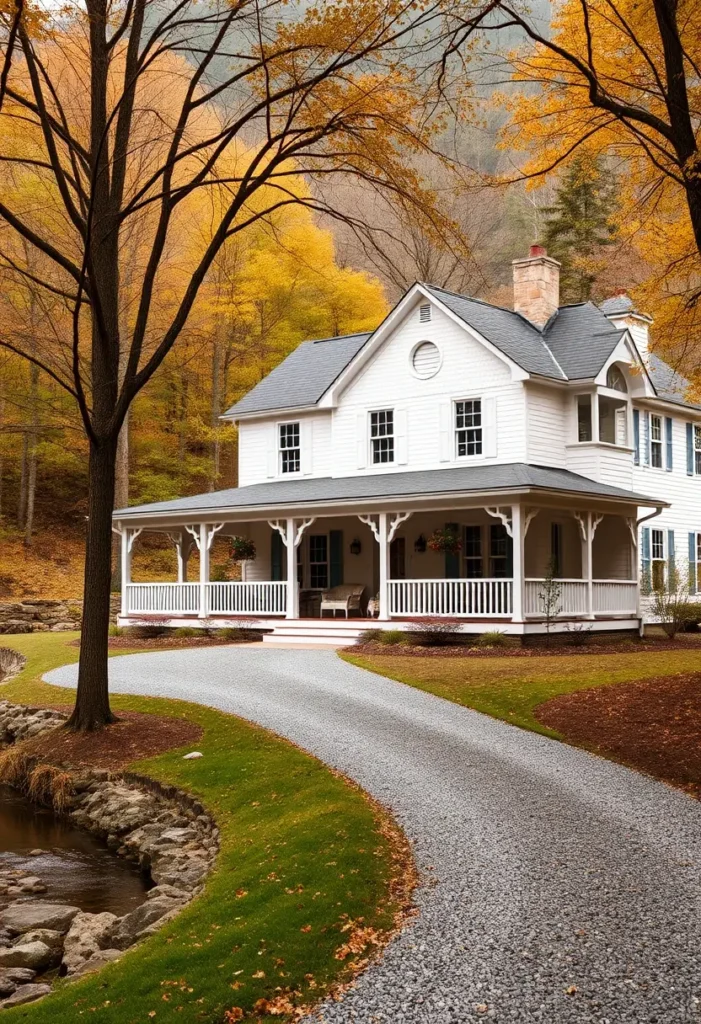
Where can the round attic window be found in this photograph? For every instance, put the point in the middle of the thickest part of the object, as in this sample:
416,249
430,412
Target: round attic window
426,360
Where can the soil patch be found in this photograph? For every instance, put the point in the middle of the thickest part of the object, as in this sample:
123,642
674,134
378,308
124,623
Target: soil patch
515,650
653,725
162,643
134,736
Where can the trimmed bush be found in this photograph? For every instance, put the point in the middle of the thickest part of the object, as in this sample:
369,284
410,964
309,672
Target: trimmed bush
187,631
492,638
391,637
237,634
116,630
371,636
435,631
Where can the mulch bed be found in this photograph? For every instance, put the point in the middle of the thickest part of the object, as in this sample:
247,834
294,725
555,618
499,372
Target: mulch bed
653,725
135,735
164,643
515,650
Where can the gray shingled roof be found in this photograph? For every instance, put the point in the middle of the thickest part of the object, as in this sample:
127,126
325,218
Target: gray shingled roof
327,490
581,339
302,378
669,383
617,304
510,332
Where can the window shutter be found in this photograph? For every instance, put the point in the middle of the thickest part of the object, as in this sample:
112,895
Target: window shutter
361,425
646,438
445,427
277,558
636,435
400,437
669,437
305,440
452,558
693,570
646,580
335,558
489,430
272,450
670,559
690,449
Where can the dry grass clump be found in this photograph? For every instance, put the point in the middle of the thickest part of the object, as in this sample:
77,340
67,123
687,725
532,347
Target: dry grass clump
42,783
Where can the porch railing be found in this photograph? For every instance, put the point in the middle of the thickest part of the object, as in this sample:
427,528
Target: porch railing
609,597
484,598
266,598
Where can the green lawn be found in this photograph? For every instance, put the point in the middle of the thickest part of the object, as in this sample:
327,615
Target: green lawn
301,855
510,688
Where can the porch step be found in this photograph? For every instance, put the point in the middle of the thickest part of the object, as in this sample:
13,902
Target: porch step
341,632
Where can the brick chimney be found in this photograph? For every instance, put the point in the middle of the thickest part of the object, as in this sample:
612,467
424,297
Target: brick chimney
536,285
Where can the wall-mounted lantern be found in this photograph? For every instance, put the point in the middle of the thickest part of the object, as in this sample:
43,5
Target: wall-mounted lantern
420,545
356,547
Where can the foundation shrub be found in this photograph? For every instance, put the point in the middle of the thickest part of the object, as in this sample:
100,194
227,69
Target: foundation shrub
186,631
391,637
492,638
371,636
435,631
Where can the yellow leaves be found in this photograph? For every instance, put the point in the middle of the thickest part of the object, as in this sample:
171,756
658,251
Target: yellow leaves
233,1015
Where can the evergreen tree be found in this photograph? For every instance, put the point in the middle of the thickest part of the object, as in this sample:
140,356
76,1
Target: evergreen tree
580,225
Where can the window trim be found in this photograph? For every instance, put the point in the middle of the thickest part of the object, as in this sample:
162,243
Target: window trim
457,430
393,436
696,447
281,449
664,560
307,562
412,354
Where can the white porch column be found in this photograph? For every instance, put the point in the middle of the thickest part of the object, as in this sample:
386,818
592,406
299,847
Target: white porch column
125,551
519,561
203,546
183,548
383,541
292,586
589,564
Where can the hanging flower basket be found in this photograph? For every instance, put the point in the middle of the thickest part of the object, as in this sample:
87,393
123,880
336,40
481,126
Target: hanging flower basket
446,541
242,549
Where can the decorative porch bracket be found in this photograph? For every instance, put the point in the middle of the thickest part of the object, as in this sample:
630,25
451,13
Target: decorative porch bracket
500,513
531,513
291,531
384,526
632,525
299,531
183,547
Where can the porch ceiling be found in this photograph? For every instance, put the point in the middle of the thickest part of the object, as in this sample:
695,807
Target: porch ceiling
335,495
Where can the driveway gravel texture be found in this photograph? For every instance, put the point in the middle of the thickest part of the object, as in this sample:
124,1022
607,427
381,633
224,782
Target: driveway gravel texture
556,886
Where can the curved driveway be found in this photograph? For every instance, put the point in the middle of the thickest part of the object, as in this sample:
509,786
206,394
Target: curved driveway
557,887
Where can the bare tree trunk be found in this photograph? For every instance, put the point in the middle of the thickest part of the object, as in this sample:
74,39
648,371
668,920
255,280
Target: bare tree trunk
22,496
32,453
92,706
216,400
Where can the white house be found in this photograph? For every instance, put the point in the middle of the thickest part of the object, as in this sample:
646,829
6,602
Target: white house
540,435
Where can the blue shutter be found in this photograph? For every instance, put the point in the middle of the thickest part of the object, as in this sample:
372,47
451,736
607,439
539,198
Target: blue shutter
335,558
670,560
646,438
668,438
636,435
276,556
690,449
452,558
645,578
693,575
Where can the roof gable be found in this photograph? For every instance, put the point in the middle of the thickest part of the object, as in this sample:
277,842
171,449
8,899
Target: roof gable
581,339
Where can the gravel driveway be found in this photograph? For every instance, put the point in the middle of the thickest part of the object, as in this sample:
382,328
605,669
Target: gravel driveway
557,887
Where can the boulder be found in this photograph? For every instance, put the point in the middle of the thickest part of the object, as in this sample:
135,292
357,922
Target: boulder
25,994
53,939
130,928
170,892
97,961
35,955
19,975
86,936
19,918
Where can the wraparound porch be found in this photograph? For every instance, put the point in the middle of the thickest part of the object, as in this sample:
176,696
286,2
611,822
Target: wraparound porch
498,577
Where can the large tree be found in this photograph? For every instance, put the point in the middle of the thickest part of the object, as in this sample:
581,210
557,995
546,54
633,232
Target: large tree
121,113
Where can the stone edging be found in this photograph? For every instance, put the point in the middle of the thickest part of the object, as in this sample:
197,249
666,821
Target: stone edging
166,831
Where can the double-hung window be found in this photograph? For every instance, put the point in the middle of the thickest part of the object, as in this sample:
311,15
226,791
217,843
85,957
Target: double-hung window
382,436
473,552
697,449
318,561
289,448
656,442
657,559
498,551
468,427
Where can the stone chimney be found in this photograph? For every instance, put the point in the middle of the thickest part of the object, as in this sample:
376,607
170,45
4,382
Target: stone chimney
536,286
